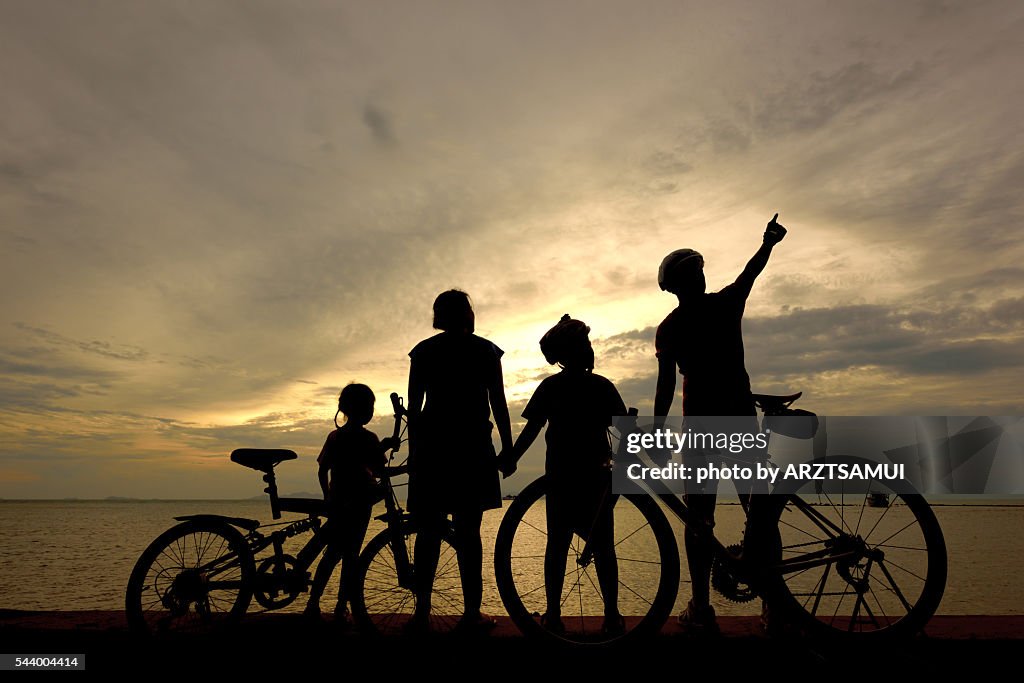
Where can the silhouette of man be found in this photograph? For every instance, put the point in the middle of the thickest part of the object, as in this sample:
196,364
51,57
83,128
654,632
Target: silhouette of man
703,339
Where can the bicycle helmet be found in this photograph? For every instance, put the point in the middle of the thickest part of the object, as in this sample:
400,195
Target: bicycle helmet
565,338
677,267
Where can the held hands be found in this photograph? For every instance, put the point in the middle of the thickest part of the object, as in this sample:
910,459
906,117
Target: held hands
506,463
774,233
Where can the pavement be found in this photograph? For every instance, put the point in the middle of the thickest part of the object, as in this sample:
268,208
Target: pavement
287,644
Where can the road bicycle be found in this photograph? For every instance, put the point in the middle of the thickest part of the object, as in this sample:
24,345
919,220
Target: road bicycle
202,574
866,564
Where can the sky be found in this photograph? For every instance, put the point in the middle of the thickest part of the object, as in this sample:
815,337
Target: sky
215,215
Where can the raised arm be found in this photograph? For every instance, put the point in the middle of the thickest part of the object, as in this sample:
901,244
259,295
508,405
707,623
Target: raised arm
773,234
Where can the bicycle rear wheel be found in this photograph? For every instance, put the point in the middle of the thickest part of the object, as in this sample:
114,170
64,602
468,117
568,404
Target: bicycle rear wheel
384,603
647,562
195,577
867,562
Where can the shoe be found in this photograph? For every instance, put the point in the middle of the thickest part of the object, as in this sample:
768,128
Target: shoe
614,626
480,624
698,621
418,625
342,617
774,625
553,624
312,613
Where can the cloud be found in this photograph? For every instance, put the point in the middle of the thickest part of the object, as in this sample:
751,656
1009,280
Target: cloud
380,124
200,224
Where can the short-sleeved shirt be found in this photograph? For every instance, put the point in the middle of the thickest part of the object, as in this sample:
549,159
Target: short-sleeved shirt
704,338
578,407
353,456
456,371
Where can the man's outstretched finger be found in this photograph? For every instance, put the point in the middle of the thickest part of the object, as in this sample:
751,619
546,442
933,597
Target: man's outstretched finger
774,218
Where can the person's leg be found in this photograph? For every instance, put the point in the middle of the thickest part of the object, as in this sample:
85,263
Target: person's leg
604,557
425,553
559,537
699,547
355,521
470,552
324,569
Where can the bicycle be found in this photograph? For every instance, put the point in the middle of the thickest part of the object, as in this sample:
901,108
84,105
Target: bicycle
203,573
807,559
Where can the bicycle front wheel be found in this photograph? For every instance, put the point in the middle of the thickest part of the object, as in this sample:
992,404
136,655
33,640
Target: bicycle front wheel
646,555
195,577
867,561
385,598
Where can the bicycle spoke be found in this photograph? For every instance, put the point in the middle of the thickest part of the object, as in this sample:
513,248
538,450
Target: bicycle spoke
537,529
839,604
878,521
634,592
889,538
899,566
803,531
842,520
863,504
619,558
631,534
900,547
895,588
878,602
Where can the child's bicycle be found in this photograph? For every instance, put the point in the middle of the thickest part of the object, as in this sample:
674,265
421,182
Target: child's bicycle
203,573
865,564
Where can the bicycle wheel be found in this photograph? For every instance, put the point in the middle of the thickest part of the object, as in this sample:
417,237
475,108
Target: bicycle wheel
868,561
647,561
196,576
383,604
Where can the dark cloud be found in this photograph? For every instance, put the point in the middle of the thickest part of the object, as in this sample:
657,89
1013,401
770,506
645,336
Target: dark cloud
380,124
816,101
949,341
96,347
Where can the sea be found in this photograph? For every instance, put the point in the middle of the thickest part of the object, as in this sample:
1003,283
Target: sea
78,554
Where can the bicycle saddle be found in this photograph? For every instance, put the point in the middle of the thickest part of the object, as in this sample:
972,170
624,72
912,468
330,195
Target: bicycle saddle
262,459
769,402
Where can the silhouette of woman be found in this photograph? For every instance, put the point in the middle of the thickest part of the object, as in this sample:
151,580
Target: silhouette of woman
452,463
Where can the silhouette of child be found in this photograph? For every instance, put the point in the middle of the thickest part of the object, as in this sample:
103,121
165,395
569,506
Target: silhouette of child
350,461
703,339
577,406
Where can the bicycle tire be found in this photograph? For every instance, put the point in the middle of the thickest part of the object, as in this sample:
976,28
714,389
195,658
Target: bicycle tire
382,607
195,577
651,595
889,588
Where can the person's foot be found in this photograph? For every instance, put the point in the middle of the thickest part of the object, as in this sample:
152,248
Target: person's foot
698,620
553,624
418,625
479,623
312,612
614,626
342,617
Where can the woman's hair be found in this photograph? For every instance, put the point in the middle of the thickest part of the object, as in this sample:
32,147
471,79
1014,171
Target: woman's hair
453,311
356,399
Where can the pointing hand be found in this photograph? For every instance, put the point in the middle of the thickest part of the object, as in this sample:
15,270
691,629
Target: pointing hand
774,233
